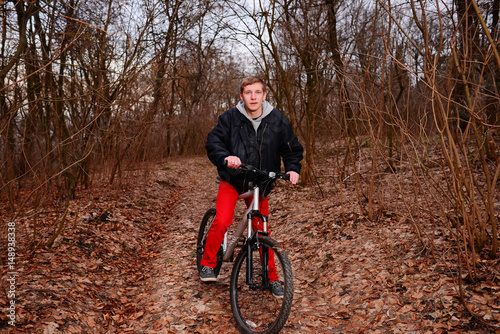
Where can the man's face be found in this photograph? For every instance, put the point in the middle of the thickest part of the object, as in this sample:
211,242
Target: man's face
253,95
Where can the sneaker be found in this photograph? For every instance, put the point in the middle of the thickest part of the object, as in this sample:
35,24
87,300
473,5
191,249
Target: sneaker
207,274
276,289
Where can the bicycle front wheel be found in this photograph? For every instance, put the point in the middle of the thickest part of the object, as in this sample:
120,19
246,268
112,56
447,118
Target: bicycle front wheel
254,307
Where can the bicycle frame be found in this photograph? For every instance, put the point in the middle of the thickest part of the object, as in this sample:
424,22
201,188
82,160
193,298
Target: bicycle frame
246,221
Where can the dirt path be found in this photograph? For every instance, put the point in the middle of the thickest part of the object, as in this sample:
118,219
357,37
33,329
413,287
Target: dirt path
349,278
126,264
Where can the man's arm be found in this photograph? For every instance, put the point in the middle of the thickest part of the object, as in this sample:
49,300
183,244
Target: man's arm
291,151
218,142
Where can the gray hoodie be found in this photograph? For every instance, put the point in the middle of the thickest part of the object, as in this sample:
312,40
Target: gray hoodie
266,110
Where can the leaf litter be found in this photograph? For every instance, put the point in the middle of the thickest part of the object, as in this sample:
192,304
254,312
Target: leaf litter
125,263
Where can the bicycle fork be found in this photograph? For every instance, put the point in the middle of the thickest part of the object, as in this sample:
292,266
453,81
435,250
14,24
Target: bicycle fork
253,243
264,257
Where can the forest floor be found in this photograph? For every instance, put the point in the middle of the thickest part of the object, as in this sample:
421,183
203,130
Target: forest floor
125,263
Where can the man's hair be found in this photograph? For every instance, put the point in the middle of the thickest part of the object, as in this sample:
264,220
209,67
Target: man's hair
250,81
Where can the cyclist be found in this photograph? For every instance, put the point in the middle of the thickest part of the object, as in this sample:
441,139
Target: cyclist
257,134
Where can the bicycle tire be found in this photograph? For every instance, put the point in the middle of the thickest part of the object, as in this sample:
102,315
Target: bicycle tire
206,224
256,310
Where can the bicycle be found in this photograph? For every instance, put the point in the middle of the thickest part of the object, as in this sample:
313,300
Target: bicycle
254,308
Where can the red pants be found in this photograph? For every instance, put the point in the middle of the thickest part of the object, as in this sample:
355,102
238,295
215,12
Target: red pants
224,213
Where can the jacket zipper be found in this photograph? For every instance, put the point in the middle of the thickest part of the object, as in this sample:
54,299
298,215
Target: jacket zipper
260,147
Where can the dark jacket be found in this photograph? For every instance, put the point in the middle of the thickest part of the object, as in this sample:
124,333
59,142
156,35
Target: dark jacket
264,149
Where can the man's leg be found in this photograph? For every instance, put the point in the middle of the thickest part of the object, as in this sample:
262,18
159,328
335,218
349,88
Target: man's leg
224,212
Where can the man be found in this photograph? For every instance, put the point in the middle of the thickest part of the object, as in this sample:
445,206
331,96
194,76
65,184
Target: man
254,133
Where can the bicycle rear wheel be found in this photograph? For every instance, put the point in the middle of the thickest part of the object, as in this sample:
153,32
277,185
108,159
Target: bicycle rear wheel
254,308
206,224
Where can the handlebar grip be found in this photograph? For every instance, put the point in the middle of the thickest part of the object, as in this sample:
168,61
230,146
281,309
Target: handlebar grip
284,176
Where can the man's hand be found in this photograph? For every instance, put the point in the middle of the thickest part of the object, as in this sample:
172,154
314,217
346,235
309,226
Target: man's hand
233,161
294,177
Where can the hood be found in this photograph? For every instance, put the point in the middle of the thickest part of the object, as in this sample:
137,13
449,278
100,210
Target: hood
266,109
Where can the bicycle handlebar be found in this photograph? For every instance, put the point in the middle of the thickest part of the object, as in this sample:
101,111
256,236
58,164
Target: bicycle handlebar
268,175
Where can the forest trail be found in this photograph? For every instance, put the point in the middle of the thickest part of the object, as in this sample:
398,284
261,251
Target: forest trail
349,278
126,264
